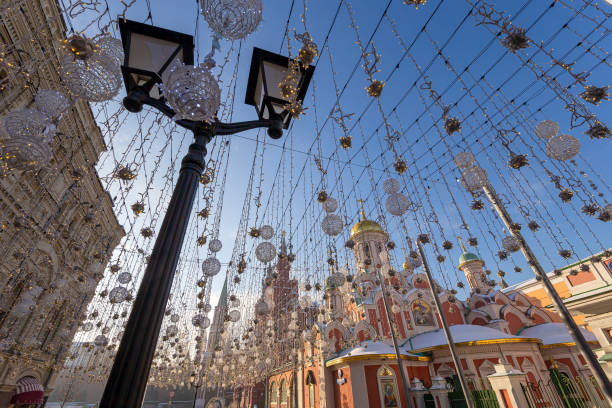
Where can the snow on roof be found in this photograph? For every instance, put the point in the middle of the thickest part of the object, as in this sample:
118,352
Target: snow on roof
554,333
461,333
373,347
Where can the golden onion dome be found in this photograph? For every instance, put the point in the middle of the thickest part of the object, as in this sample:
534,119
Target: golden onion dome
364,226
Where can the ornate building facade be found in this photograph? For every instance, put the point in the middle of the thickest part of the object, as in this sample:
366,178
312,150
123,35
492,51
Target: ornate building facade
348,360
58,227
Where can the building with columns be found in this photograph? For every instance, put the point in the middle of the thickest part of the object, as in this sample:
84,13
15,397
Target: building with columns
57,225
505,339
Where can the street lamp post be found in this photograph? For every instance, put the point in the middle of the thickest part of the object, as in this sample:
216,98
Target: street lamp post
149,51
196,384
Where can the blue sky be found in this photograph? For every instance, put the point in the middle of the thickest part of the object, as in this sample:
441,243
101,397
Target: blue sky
473,53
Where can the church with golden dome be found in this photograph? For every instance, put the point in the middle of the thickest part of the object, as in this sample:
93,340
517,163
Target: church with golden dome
503,337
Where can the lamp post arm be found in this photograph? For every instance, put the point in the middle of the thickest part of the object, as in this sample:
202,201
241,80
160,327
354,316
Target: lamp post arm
139,97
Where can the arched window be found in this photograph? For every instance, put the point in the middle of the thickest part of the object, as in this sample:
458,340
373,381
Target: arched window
422,313
273,393
387,388
283,392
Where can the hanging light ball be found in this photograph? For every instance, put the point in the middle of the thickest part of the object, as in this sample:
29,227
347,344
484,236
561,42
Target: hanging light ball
397,204
193,93
118,294
51,103
88,326
391,186
511,243
211,266
261,308
207,308
111,48
562,147
330,205
474,178
464,160
25,144
172,330
547,129
215,245
124,277
200,321
101,341
234,315
332,224
95,79
265,252
174,318
266,232
232,19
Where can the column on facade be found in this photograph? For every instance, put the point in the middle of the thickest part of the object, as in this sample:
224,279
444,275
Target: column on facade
507,384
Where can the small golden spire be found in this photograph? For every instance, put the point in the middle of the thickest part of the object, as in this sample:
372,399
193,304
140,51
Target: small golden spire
361,201
461,243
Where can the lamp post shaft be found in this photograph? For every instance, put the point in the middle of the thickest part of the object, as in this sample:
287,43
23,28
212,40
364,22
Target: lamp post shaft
398,356
572,327
127,382
449,336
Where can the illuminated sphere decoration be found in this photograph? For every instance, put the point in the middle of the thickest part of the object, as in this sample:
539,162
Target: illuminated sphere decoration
330,205
118,294
207,308
265,252
172,330
332,224
266,232
232,19
111,48
391,186
234,315
511,244
547,129
124,277
24,144
397,204
474,178
215,245
174,318
51,103
464,160
211,266
101,341
96,79
193,93
562,147
200,321
87,327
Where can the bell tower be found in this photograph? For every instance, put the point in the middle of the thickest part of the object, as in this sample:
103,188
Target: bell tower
472,267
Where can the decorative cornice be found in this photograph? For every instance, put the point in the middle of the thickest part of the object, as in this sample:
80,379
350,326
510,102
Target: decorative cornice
349,359
479,343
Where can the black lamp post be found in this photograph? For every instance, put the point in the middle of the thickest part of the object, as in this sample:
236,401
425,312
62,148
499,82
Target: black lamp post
149,51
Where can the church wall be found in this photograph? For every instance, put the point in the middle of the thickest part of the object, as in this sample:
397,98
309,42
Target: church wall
343,392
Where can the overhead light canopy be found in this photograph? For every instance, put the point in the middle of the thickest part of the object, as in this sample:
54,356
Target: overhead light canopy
149,52
267,71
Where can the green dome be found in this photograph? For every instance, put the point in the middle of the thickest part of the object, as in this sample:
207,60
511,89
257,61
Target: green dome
467,257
